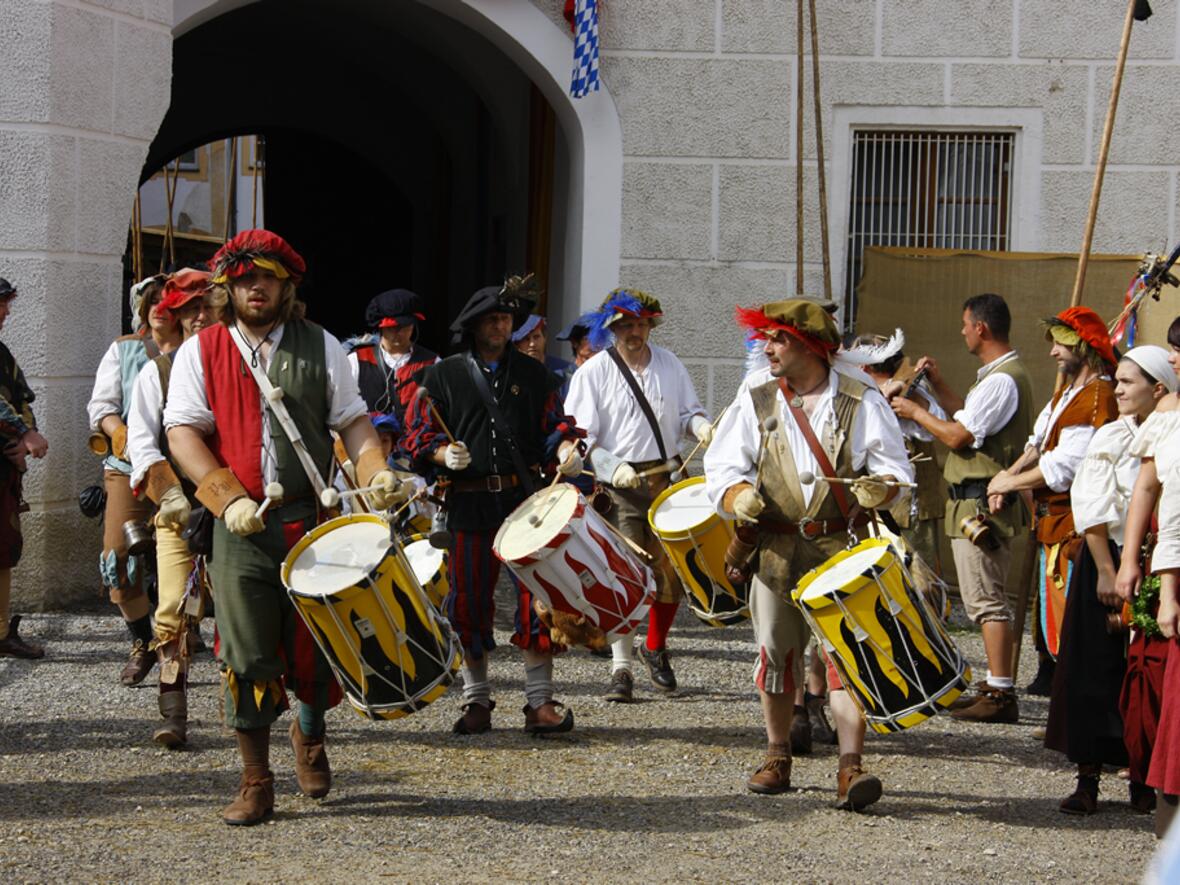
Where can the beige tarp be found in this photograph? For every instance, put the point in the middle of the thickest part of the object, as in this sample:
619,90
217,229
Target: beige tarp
922,291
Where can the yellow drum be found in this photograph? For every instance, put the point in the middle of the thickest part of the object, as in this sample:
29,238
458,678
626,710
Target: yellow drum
695,539
390,649
430,568
891,650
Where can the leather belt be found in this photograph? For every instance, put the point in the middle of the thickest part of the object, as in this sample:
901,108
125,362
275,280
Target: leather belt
967,491
810,529
495,483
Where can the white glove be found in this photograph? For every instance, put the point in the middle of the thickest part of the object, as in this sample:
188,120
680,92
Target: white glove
391,490
241,517
702,429
174,509
571,461
456,456
748,505
870,492
625,477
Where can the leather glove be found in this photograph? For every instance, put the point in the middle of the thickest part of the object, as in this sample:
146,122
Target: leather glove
870,492
174,509
456,457
625,477
392,490
571,462
241,517
702,429
119,442
748,505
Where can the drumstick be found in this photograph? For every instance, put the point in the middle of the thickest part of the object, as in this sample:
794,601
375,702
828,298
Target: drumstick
331,497
274,492
768,427
628,541
697,447
807,478
437,416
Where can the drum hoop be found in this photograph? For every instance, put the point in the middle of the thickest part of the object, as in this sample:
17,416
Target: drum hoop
314,535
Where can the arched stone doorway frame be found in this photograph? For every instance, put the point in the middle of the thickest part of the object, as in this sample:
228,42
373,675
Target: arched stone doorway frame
593,214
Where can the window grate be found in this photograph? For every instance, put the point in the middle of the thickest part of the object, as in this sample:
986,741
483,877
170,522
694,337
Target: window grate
928,190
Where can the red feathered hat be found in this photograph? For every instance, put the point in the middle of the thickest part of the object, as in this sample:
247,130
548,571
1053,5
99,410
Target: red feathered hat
805,321
1091,330
183,286
257,247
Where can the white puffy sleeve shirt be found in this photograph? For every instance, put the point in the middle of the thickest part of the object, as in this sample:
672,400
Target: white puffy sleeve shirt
188,404
1059,465
1101,491
145,423
1159,438
877,444
991,403
107,396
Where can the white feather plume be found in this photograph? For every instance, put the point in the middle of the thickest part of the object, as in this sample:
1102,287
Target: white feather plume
872,356
755,356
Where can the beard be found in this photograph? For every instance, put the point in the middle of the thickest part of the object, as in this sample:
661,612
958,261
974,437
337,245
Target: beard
1071,366
257,315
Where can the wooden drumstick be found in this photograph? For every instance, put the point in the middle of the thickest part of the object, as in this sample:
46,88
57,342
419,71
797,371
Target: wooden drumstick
768,427
331,497
274,492
437,416
807,478
697,447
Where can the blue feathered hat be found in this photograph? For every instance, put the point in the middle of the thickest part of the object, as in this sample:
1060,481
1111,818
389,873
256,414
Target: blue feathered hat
622,302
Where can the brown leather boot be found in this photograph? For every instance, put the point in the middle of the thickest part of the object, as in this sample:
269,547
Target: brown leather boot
139,664
967,698
14,646
856,789
800,732
311,763
174,708
476,718
774,774
546,720
991,705
256,792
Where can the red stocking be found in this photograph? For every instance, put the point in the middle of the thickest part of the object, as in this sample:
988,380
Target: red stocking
660,622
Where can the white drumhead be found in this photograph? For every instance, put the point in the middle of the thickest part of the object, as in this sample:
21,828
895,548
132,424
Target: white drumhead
684,509
552,507
424,560
339,559
842,573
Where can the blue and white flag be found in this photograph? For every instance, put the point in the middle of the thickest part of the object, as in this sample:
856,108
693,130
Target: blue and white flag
585,77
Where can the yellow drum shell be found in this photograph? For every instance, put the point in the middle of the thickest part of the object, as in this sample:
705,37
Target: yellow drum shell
389,648
890,649
697,553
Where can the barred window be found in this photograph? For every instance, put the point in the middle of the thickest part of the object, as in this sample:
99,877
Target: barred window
927,190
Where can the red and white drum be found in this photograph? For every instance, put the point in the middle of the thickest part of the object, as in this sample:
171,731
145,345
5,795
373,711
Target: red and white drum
559,548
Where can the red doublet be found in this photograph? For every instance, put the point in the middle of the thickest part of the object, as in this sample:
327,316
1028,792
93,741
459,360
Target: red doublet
236,404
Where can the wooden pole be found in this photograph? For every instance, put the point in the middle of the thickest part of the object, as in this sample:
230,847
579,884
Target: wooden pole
799,152
1103,153
819,154
254,187
231,191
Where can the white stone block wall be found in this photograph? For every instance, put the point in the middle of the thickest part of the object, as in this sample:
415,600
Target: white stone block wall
85,86
706,96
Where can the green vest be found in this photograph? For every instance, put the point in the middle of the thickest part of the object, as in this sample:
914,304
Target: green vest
997,452
298,366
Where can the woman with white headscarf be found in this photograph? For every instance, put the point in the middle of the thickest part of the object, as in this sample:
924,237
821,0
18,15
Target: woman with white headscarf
1084,720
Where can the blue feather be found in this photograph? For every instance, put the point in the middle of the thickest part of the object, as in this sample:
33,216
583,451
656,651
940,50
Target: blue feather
598,321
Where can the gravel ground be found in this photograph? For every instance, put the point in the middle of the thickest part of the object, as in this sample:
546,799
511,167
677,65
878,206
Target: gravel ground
653,791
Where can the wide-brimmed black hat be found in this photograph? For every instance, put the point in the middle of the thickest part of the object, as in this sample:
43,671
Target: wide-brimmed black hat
516,297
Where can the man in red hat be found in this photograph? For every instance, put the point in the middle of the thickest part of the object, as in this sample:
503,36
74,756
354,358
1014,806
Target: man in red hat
228,440
187,298
21,440
1087,361
808,412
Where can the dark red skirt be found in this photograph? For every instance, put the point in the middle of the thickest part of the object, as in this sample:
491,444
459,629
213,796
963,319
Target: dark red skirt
1141,700
1164,773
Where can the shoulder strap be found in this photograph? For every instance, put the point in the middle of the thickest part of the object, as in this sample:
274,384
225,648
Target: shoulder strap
644,405
149,344
821,456
273,397
164,368
499,422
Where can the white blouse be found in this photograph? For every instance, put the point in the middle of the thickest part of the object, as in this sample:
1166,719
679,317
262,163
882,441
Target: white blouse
1159,438
1104,480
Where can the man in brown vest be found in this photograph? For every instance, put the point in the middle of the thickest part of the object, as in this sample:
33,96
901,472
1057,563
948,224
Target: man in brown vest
1087,360
986,430
803,414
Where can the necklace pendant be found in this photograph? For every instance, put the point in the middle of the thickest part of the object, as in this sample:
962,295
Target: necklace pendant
797,402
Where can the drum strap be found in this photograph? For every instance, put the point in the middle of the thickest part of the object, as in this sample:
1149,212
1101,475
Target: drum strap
804,425
644,405
500,423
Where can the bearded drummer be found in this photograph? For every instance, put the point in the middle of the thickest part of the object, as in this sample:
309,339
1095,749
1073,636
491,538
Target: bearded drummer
809,412
223,434
485,420
636,402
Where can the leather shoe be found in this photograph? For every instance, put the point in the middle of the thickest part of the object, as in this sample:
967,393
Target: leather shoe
476,719
256,798
545,719
13,646
800,732
139,664
857,789
312,771
622,687
773,775
660,668
992,705
173,732
821,729
967,698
